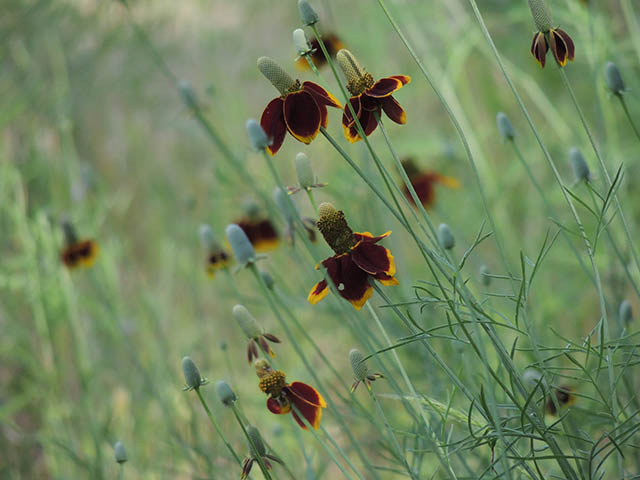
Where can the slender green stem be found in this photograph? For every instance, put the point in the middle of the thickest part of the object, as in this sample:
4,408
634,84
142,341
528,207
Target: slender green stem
312,200
121,472
254,450
217,427
628,115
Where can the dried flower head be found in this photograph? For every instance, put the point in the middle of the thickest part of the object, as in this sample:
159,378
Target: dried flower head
361,371
257,450
579,165
307,14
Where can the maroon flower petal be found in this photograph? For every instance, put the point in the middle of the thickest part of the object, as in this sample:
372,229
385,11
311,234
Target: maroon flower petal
571,49
307,393
318,292
384,87
366,237
393,110
272,122
539,48
351,281
275,407
302,116
303,397
373,259
368,122
558,47
320,95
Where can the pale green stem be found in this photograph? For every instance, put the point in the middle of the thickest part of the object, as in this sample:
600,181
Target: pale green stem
312,200
628,115
254,450
121,472
217,427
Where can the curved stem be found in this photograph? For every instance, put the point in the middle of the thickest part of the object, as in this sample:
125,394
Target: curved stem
217,427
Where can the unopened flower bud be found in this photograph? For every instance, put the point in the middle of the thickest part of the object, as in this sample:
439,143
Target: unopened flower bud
300,42
119,452
579,165
257,136
531,377
191,374
307,14
505,127
276,75
226,395
247,323
359,366
625,312
445,237
303,168
541,15
484,275
240,244
256,441
614,78
267,279
207,239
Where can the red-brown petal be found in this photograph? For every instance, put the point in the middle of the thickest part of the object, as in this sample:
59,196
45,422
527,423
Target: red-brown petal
366,237
384,87
302,116
272,122
403,78
351,281
275,407
300,395
393,110
307,393
373,259
558,47
539,48
571,49
318,292
320,95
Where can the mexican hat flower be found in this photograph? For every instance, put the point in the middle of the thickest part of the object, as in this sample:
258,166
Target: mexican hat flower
301,108
368,97
294,398
564,397
357,260
254,332
331,42
258,453
547,37
77,253
259,229
217,258
424,183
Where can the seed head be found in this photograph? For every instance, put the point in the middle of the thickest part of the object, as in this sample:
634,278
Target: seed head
226,395
625,313
541,15
119,452
579,165
257,136
335,229
276,75
445,236
307,14
191,374
256,441
614,79
358,80
359,366
505,127
247,323
240,244
305,173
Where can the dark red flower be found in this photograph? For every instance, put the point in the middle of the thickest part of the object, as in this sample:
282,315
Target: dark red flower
77,253
331,42
357,260
368,97
564,396
217,260
560,42
424,183
301,109
260,232
282,395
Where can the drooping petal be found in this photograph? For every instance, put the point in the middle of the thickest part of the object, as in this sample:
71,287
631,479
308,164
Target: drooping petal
302,116
320,95
276,407
539,48
318,292
373,259
272,122
384,87
405,79
558,47
450,182
368,122
366,237
393,110
571,49
266,236
247,464
308,394
300,394
387,280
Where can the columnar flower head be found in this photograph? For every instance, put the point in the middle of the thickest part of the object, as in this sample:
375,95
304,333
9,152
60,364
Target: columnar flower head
77,253
361,371
357,259
547,37
283,396
368,97
254,332
257,450
301,109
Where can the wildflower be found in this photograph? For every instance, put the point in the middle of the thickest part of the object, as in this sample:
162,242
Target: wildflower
282,395
424,182
361,371
614,80
77,253
564,396
254,332
306,179
445,236
257,448
368,97
301,109
560,42
217,257
259,230
357,259
119,452
192,377
332,43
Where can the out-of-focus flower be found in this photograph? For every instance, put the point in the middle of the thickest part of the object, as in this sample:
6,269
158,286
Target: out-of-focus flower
282,395
217,258
77,253
424,183
357,259
331,42
258,228
564,396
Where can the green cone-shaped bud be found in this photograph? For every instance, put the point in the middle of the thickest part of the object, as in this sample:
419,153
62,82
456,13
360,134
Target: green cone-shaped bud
306,177
207,239
541,15
119,452
240,244
276,75
256,440
191,374
281,200
358,80
625,313
614,78
300,42
505,127
267,279
247,323
445,237
226,395
307,14
579,165
257,136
